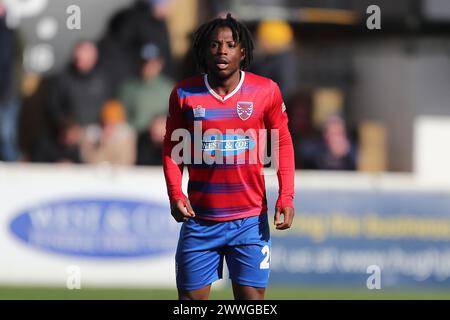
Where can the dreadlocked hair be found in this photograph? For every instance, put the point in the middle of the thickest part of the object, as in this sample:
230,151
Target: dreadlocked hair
240,34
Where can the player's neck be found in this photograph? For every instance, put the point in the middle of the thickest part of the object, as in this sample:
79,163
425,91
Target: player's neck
224,86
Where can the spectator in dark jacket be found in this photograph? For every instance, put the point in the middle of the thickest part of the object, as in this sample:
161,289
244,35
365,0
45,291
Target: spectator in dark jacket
77,97
82,89
131,28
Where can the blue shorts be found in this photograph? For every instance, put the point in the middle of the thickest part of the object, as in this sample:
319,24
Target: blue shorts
245,244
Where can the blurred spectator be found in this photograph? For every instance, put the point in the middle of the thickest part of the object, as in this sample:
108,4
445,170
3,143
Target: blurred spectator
61,147
276,59
160,8
114,141
150,142
117,56
81,90
188,65
219,7
155,30
333,151
299,109
131,28
59,139
148,96
75,100
33,122
10,73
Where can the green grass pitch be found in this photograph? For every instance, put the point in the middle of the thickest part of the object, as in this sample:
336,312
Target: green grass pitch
28,293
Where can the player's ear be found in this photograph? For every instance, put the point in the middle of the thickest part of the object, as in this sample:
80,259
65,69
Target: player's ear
243,54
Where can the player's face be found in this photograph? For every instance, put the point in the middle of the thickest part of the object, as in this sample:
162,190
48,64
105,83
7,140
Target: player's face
224,55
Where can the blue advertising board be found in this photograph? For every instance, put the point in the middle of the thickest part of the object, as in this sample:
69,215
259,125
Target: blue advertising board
337,235
98,228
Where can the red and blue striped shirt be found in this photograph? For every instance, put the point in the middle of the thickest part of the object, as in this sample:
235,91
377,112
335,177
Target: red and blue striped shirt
224,147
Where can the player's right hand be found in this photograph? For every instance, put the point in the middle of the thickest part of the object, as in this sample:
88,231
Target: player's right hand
181,212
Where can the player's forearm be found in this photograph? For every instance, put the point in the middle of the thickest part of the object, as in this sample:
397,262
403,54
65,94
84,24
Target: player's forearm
173,174
286,169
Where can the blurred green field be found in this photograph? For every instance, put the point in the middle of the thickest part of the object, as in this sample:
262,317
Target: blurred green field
25,293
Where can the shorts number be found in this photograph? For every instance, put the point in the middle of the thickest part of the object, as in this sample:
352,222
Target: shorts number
265,263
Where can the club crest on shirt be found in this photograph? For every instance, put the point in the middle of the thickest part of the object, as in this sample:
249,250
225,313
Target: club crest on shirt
199,112
244,110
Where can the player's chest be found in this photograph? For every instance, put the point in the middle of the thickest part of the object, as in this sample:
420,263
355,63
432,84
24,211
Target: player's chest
236,113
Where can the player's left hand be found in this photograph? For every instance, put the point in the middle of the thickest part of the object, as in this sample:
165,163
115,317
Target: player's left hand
288,216
181,210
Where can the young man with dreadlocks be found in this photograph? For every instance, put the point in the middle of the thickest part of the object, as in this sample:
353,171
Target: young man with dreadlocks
225,213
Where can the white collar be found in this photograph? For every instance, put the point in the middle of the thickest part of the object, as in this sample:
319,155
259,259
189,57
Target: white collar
217,96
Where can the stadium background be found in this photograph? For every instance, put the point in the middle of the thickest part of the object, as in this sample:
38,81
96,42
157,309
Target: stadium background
107,226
